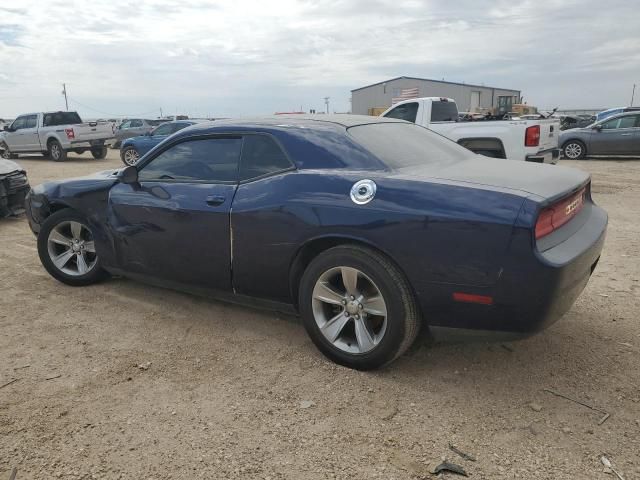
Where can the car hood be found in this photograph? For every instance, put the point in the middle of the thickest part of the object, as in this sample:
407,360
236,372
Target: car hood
7,166
546,181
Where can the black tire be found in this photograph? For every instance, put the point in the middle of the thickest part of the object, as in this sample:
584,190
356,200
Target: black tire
99,153
574,150
94,275
403,321
129,155
6,154
56,152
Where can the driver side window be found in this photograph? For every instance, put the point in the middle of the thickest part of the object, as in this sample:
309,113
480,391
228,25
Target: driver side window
210,160
19,123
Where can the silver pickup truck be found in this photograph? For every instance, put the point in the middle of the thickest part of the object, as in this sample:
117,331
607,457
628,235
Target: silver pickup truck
54,134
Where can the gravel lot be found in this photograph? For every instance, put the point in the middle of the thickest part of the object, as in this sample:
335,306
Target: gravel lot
230,392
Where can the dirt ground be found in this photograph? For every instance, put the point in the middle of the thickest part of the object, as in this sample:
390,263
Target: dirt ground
231,392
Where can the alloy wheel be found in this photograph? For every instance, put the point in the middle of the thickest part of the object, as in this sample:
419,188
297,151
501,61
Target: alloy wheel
573,150
71,248
55,151
349,309
131,156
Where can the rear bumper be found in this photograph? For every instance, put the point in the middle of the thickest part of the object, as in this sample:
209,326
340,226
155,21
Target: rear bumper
545,156
96,142
534,290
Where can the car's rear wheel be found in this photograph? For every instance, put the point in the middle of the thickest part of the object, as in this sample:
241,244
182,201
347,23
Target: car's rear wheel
574,150
358,307
99,152
67,250
56,152
130,156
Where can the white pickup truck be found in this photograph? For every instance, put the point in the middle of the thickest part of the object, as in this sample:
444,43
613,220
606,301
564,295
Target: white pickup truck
54,134
528,140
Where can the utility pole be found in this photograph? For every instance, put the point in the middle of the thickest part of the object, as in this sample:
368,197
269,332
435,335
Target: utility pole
161,116
64,92
633,94
326,102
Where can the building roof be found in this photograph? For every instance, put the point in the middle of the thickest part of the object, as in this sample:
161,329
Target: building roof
436,81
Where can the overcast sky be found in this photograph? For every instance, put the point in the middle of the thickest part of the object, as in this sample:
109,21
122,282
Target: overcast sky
244,57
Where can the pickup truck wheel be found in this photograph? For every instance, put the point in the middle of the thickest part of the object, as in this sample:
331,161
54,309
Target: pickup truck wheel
56,152
357,307
574,150
99,153
67,249
130,156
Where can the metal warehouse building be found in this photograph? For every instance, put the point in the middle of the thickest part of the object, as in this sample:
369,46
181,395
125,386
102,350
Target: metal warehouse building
374,99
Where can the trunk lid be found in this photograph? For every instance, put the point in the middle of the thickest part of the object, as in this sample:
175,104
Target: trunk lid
547,181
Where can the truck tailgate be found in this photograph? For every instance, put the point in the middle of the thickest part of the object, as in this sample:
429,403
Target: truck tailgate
549,131
84,132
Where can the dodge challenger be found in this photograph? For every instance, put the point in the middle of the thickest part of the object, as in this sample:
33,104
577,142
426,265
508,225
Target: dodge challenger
369,228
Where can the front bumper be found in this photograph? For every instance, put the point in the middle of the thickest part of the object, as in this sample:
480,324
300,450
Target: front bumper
13,191
545,156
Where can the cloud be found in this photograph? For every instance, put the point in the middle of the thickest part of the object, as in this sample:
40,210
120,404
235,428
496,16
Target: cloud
252,57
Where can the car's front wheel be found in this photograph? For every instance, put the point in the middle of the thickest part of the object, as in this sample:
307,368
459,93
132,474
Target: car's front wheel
130,156
574,150
6,153
358,307
67,249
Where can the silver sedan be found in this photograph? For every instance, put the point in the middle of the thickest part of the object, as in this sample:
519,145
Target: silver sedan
618,135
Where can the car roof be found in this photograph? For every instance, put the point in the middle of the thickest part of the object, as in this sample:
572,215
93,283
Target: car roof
622,114
283,122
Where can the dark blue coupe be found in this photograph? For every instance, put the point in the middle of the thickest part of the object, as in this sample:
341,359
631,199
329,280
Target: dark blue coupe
133,148
369,228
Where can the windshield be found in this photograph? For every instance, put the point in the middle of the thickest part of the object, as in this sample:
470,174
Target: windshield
401,145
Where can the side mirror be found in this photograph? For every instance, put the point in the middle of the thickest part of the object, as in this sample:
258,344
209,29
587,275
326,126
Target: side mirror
128,175
6,128
597,127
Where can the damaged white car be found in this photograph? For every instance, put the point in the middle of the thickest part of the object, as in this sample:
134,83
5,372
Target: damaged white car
14,187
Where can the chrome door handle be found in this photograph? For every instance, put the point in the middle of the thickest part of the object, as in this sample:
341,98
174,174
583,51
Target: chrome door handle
625,134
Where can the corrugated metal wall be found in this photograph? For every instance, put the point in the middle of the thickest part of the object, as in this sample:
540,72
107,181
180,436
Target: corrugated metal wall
365,100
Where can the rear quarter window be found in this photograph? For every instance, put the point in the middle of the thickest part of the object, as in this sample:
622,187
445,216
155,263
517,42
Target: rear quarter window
444,112
400,145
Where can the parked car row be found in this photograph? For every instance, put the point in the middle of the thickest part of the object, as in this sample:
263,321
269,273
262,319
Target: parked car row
133,148
134,127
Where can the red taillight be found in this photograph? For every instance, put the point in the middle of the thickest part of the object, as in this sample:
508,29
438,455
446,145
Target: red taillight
70,133
532,136
552,218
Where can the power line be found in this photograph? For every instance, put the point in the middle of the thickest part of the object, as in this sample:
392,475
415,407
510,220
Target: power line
111,114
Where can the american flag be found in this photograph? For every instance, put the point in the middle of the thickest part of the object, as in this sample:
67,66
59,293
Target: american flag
406,94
